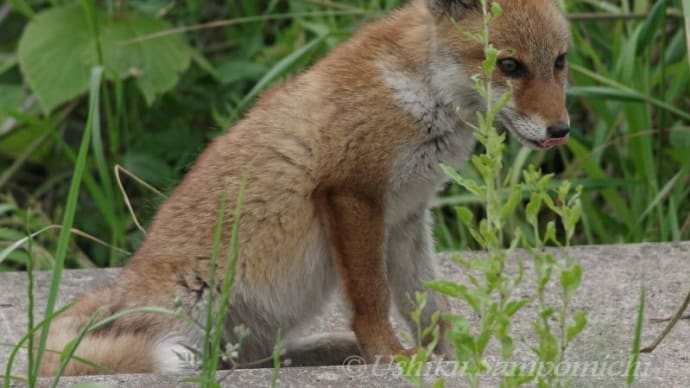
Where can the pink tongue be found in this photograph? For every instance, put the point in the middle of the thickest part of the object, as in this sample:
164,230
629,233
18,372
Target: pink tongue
554,142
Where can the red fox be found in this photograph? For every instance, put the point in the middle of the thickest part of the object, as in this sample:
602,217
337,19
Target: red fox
341,165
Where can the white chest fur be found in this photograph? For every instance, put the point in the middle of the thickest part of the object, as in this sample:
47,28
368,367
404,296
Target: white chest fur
440,100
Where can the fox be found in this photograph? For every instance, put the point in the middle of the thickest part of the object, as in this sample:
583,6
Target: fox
338,167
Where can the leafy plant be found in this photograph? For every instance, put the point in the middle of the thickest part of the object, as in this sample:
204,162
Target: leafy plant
628,98
490,296
628,102
426,340
61,44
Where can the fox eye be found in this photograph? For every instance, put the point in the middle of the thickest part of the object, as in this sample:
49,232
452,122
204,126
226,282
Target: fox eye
560,62
512,67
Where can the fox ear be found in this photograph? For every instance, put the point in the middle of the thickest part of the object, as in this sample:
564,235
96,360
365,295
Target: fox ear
453,8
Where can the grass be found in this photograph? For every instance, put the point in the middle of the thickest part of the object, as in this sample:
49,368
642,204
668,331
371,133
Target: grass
92,125
215,319
635,350
213,329
628,99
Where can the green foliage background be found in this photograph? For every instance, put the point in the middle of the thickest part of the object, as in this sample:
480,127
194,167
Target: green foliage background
181,72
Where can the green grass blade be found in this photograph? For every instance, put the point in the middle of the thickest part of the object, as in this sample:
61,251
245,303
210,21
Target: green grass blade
635,351
5,253
686,14
278,69
30,294
664,192
69,353
613,197
70,209
208,363
228,279
629,91
26,338
276,361
604,93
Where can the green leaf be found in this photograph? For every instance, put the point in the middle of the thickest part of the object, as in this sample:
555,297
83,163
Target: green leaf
468,184
507,347
515,305
490,61
156,63
465,215
546,313
496,10
651,26
517,378
579,325
455,290
483,340
573,217
511,203
550,233
11,96
570,280
58,48
532,209
548,345
464,345
460,260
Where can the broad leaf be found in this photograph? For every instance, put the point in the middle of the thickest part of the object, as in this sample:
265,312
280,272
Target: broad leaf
58,48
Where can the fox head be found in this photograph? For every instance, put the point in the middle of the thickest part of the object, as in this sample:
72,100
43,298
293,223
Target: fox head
533,38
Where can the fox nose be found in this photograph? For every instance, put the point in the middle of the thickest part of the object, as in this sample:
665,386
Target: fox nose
558,131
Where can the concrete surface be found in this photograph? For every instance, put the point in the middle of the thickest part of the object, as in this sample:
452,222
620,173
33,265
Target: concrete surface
613,276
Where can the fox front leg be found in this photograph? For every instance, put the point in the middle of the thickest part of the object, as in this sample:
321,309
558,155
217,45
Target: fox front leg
409,259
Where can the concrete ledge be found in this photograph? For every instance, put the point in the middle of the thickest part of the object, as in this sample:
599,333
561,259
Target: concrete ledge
609,293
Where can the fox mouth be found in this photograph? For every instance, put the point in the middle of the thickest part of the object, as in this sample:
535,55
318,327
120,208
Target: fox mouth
551,142
531,143
538,144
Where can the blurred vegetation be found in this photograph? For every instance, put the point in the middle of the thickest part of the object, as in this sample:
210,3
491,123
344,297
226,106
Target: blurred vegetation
181,72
